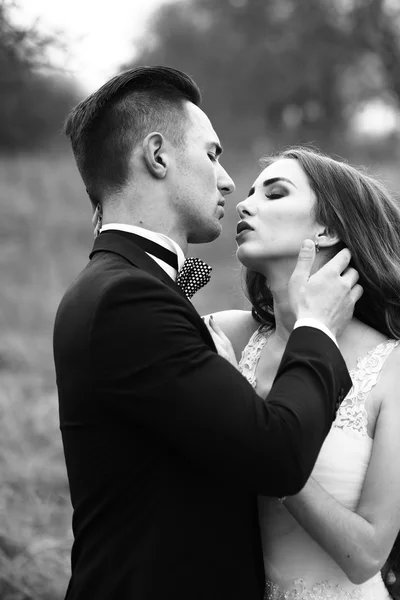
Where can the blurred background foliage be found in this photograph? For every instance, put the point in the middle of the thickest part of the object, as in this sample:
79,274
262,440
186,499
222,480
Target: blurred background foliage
273,73
284,70
289,70
34,97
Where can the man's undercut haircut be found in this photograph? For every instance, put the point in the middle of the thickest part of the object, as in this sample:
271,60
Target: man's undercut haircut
105,127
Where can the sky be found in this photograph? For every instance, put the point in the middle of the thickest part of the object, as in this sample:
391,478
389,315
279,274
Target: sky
100,34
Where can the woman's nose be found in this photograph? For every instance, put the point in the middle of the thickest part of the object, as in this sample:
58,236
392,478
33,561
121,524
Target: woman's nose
243,209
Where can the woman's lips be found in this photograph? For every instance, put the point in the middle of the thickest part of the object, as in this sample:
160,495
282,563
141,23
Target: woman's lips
242,227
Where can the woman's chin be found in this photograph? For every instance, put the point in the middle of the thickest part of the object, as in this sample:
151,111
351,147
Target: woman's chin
246,258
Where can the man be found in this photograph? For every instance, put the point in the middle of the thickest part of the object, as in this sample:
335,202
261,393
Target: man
166,444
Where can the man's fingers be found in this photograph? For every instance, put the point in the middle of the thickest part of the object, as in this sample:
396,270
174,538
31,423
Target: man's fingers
339,262
351,276
305,261
356,293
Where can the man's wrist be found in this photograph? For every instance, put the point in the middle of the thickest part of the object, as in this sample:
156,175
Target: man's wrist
309,322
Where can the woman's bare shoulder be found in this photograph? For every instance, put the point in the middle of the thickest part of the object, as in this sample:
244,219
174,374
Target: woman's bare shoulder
361,342
238,326
388,383
357,341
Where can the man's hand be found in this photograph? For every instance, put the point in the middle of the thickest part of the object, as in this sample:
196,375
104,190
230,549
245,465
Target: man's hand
329,295
222,343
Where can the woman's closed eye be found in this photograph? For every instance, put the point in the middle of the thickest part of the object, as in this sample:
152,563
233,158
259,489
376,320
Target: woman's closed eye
275,194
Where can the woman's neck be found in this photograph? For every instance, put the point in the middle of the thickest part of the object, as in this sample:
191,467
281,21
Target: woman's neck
278,275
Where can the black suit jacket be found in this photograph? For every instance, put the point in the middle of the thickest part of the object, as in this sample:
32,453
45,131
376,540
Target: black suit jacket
166,444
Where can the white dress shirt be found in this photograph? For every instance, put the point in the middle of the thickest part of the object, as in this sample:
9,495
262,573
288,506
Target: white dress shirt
158,238
166,242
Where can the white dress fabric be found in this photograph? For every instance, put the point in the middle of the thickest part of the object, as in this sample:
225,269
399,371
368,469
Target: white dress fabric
296,567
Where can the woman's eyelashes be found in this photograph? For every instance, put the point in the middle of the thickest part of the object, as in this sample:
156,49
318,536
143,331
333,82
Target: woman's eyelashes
275,194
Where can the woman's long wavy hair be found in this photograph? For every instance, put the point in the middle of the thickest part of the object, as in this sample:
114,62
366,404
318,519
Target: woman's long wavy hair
366,219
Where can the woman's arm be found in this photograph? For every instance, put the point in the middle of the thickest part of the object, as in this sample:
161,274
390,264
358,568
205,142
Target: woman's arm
361,541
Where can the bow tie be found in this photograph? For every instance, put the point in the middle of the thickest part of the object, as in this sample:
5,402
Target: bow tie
194,275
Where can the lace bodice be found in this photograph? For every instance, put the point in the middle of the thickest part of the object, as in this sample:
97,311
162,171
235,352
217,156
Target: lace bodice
296,567
352,414
251,354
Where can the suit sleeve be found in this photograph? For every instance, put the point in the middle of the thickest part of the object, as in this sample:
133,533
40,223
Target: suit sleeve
152,367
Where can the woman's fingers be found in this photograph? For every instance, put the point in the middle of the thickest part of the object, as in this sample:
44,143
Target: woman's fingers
218,329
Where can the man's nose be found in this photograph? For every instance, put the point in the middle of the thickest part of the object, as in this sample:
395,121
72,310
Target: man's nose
225,183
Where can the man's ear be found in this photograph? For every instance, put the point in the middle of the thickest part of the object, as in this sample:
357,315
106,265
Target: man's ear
155,154
327,238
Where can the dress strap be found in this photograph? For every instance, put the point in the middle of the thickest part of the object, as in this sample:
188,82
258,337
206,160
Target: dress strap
252,352
352,414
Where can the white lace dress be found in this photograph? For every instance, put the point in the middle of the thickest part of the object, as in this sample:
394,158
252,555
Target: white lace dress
296,566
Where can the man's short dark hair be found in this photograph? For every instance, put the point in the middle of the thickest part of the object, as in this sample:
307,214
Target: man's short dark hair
105,127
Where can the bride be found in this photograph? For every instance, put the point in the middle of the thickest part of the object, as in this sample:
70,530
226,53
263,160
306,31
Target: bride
331,539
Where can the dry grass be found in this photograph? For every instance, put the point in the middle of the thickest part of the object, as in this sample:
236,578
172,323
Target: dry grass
42,246
45,237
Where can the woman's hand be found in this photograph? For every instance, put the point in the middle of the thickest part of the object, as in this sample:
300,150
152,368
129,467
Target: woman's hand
222,343
391,580
97,220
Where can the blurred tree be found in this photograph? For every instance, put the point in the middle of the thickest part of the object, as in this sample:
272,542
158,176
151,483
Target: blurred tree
376,26
34,99
290,70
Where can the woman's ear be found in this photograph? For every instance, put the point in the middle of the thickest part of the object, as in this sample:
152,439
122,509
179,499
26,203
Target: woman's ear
155,154
326,238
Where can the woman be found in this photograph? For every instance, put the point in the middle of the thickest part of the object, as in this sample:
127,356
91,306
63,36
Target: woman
331,539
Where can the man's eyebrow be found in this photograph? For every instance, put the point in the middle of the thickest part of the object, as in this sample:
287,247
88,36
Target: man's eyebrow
275,180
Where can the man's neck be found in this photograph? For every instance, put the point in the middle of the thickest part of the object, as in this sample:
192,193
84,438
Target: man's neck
154,236
153,225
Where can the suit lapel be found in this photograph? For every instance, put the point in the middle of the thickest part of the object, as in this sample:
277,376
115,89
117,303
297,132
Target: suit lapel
123,245
120,243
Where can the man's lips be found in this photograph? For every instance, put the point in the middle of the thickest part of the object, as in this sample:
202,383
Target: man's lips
242,226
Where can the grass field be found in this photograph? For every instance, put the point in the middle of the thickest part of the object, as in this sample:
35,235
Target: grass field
45,238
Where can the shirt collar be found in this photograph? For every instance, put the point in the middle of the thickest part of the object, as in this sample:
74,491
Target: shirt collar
158,238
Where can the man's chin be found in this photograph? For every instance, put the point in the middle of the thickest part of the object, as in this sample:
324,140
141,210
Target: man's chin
206,236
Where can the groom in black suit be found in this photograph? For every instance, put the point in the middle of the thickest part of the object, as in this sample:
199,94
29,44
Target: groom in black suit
166,444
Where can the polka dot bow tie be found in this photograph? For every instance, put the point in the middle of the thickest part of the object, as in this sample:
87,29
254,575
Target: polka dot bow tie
194,275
